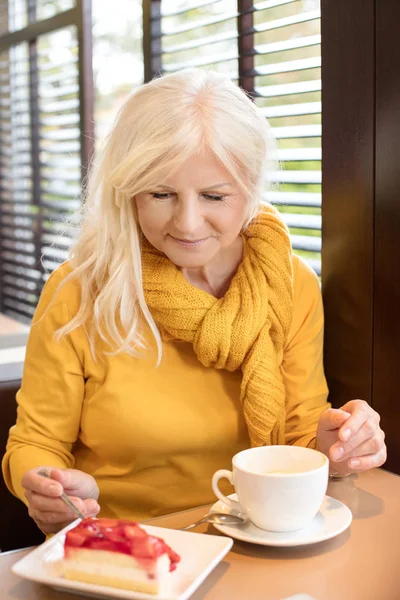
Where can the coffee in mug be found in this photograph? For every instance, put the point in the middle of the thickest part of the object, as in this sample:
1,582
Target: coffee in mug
280,488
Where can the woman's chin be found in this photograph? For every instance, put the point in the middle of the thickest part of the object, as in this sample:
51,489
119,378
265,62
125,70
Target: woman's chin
190,260
190,257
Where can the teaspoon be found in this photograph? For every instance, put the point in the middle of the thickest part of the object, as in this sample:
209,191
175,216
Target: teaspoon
217,518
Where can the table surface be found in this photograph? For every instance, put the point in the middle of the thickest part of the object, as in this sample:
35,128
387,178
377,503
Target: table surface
363,563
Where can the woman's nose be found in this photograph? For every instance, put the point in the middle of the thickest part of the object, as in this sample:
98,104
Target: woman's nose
187,217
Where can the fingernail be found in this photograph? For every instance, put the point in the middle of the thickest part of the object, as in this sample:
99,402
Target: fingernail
54,489
338,453
346,434
93,506
354,463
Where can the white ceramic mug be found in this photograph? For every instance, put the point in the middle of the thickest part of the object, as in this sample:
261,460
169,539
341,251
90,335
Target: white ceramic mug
280,488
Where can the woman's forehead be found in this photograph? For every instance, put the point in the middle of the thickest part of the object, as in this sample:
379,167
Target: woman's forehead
203,170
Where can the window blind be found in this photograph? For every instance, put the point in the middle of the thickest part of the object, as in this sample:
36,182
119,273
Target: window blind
45,141
272,49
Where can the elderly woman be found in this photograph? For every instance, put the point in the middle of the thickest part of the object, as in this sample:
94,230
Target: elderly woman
182,329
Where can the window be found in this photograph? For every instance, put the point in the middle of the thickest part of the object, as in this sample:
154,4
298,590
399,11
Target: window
117,58
45,140
270,48
273,50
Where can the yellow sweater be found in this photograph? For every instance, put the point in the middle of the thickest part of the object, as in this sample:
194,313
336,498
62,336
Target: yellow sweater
151,437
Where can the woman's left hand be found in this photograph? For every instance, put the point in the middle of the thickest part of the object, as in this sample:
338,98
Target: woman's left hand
351,437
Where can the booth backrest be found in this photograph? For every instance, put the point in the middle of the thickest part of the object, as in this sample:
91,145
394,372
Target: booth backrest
17,529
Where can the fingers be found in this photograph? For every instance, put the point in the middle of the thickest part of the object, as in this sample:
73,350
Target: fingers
333,418
61,475
360,435
351,437
34,482
55,505
369,436
371,447
360,412
361,443
44,503
51,514
76,483
371,461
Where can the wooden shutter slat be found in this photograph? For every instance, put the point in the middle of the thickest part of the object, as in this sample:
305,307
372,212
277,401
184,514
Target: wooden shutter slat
311,15
288,89
222,18
189,7
289,66
292,110
205,41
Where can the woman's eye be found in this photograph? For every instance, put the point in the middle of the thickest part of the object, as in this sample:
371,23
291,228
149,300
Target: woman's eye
161,196
166,195
214,197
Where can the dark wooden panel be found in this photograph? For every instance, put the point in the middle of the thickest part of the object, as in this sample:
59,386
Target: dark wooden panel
387,228
17,529
152,46
245,24
86,89
348,195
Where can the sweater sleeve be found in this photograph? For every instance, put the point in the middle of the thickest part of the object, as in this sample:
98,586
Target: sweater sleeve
302,366
50,399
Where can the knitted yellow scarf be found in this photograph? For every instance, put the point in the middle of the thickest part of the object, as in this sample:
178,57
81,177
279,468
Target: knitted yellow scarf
245,329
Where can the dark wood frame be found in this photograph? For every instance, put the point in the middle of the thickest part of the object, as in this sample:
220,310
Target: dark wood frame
348,131
86,88
152,50
246,45
386,323
35,138
360,206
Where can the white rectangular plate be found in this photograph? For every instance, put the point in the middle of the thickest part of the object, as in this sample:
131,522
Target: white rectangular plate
199,556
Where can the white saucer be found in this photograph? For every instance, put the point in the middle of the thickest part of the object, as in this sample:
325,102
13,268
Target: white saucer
333,518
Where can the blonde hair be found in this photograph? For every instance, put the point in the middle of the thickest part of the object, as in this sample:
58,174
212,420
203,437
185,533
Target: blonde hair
159,127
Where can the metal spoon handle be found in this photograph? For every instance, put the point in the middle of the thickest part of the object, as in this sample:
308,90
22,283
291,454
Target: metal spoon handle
64,497
192,525
217,518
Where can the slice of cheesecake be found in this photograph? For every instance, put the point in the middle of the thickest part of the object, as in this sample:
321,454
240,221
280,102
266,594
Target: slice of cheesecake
120,554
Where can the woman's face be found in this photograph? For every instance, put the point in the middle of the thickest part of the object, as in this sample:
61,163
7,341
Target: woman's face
194,216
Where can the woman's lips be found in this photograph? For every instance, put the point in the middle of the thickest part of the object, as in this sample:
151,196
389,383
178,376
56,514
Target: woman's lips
189,243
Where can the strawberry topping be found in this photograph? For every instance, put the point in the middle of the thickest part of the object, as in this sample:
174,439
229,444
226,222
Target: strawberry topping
126,537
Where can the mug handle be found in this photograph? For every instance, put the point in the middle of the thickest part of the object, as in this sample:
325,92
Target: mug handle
233,504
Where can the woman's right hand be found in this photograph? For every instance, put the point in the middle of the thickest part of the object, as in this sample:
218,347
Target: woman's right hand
45,506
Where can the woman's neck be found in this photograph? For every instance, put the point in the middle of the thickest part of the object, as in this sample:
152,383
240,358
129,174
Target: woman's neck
216,276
